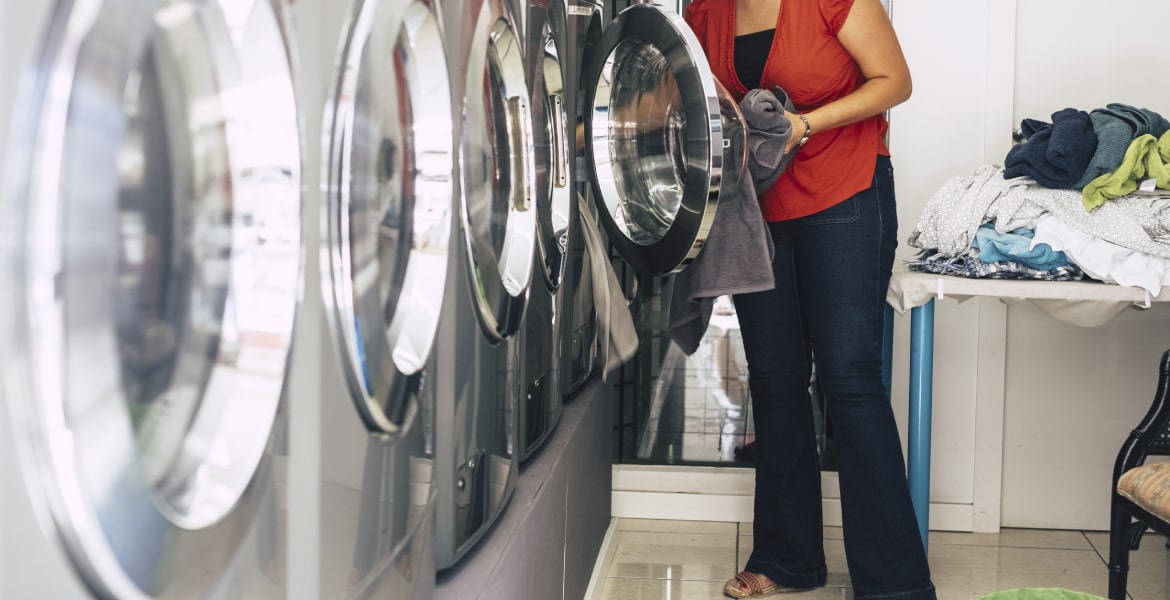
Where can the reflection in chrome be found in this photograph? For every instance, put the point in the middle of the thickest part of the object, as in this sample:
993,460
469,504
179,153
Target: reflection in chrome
389,172
710,388
554,195
647,137
153,239
499,221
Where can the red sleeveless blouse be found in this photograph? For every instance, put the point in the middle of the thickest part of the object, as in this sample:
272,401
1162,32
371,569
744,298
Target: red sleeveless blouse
809,62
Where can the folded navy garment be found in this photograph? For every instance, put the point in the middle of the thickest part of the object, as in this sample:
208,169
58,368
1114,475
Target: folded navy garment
1117,125
1055,154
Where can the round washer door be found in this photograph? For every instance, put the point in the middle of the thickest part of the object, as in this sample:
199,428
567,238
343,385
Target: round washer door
390,164
152,252
659,138
555,201
498,210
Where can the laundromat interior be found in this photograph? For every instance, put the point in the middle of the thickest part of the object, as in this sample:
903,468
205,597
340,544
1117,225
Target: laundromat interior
311,299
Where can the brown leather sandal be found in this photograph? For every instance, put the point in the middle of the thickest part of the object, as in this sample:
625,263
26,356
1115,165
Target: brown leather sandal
751,581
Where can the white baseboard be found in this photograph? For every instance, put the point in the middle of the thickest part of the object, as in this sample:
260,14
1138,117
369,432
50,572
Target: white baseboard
725,494
603,563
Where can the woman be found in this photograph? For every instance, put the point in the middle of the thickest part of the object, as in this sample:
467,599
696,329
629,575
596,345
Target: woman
834,222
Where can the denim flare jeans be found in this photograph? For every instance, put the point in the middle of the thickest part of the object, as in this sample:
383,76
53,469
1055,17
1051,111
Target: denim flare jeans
832,269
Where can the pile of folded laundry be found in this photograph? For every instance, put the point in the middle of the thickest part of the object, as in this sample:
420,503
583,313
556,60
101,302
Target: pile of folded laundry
1086,195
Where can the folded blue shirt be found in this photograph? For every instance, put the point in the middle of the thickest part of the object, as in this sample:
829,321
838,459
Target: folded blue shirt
1015,246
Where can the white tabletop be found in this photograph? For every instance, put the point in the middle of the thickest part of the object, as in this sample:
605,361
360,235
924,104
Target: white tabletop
1084,303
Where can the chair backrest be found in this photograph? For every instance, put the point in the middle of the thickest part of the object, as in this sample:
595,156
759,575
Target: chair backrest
1152,435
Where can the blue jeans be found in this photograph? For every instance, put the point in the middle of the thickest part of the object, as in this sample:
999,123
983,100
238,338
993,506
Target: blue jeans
832,269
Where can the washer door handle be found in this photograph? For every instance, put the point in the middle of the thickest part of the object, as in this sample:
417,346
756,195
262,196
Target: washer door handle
521,133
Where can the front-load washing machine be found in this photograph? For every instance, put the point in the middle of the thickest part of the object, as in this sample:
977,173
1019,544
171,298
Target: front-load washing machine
658,130
541,398
476,365
389,198
150,259
577,331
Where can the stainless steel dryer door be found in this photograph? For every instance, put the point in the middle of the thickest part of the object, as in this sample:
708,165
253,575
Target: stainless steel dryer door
659,132
498,210
390,176
555,201
151,246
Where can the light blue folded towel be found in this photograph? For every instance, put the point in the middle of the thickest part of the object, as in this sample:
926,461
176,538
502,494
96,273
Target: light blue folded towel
1016,246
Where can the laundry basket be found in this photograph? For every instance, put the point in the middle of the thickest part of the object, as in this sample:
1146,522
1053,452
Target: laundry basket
1040,594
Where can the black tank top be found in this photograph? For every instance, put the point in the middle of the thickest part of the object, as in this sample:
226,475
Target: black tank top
751,52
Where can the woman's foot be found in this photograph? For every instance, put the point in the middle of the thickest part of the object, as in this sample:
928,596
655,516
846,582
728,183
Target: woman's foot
749,585
753,585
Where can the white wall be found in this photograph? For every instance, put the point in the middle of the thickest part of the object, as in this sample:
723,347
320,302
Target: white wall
1073,394
1067,395
958,118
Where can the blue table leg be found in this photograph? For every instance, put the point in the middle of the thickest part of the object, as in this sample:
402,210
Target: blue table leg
888,350
921,381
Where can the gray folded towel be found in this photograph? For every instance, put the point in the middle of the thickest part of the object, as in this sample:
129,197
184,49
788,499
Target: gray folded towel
737,258
1116,126
768,133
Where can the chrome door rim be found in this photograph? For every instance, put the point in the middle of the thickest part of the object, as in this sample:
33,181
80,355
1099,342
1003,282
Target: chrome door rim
497,178
552,131
404,341
644,26
123,531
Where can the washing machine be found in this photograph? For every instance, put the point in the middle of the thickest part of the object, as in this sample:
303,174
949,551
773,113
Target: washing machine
658,129
389,194
577,330
478,385
545,48
150,259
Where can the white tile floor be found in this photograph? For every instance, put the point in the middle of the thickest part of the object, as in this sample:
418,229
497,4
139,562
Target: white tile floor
684,560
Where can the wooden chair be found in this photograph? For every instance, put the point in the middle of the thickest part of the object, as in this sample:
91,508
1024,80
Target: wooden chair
1141,492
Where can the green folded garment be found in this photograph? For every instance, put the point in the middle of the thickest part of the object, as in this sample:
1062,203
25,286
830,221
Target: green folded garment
1146,158
1040,594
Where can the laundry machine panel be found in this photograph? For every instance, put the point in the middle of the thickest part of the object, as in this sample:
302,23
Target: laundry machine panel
389,181
577,329
489,279
540,361
152,252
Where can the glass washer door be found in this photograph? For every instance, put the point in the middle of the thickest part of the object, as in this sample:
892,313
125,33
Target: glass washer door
390,195
659,132
152,250
498,185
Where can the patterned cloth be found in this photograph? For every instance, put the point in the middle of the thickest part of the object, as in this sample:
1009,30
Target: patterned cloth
1148,486
954,213
969,266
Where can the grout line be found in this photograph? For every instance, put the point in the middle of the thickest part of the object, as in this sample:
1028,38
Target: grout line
738,548
1085,535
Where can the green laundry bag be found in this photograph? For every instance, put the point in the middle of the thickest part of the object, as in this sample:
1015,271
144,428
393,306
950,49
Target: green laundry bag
1040,594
